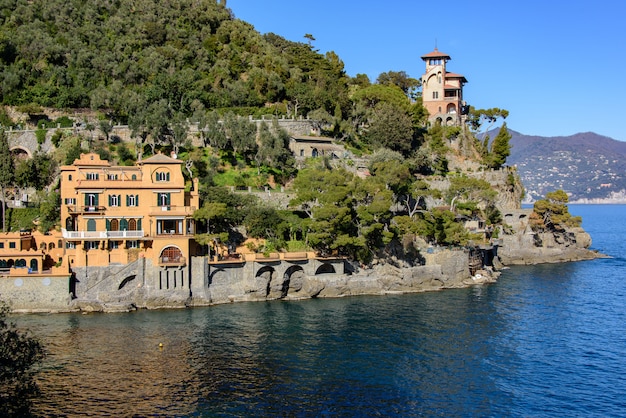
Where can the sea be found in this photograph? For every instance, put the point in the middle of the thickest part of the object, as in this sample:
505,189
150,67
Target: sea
544,341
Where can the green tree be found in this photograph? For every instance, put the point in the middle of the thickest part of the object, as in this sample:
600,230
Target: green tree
19,352
500,149
391,127
552,213
401,79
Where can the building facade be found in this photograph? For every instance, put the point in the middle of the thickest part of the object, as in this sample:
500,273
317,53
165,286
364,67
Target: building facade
117,214
442,91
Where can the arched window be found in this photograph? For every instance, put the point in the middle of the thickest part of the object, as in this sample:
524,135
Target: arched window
171,254
132,225
91,225
43,246
51,246
69,223
114,225
34,266
123,225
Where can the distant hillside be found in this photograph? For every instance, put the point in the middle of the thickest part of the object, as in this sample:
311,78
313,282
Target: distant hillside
586,165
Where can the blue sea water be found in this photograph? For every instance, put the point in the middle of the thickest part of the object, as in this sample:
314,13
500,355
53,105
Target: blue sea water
544,341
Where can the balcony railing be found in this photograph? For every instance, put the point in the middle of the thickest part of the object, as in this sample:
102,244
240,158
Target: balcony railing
75,235
85,209
172,261
172,209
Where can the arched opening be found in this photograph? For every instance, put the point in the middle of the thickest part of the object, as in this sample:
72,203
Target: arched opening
451,108
171,254
34,265
266,272
325,268
69,224
315,152
114,225
292,272
20,262
51,246
132,225
91,225
43,246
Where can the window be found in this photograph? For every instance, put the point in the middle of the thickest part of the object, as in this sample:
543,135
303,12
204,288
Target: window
1,244
92,245
70,245
435,94
132,244
114,245
11,244
70,200
163,199
111,176
114,200
162,176
91,199
132,200
114,225
133,177
92,176
69,177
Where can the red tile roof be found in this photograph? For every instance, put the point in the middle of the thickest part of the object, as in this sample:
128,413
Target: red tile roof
436,54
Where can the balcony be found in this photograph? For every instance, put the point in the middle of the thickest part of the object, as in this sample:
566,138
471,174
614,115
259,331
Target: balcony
95,235
86,209
172,261
172,210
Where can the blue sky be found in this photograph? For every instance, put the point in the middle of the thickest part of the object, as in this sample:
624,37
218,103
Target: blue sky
556,66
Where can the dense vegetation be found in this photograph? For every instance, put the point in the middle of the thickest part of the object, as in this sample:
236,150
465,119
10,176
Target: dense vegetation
159,66
19,352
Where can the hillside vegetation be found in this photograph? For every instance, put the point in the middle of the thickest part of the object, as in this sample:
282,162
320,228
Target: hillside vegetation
161,66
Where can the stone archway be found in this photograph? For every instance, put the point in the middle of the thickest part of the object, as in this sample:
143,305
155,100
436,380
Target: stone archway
292,280
325,268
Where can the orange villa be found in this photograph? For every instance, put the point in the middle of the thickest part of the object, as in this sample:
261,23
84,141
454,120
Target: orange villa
115,214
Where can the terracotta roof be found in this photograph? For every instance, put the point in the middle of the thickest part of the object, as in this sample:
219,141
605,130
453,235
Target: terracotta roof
451,87
436,54
453,75
160,159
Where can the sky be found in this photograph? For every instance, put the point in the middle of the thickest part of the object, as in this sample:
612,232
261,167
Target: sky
556,66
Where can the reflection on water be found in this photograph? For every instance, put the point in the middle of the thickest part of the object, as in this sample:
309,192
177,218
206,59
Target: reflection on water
394,355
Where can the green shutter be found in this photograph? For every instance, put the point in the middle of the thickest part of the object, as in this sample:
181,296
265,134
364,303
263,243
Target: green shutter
127,200
86,199
167,176
123,225
136,200
108,225
139,224
95,203
110,199
168,199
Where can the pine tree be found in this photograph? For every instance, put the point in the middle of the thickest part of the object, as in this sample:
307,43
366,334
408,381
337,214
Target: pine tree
500,148
7,174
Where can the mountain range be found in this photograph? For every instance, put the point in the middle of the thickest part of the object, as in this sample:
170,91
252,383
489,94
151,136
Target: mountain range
590,168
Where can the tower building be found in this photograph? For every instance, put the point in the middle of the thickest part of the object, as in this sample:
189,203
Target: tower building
442,91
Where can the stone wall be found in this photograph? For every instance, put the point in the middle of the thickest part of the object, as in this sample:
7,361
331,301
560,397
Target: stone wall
36,293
